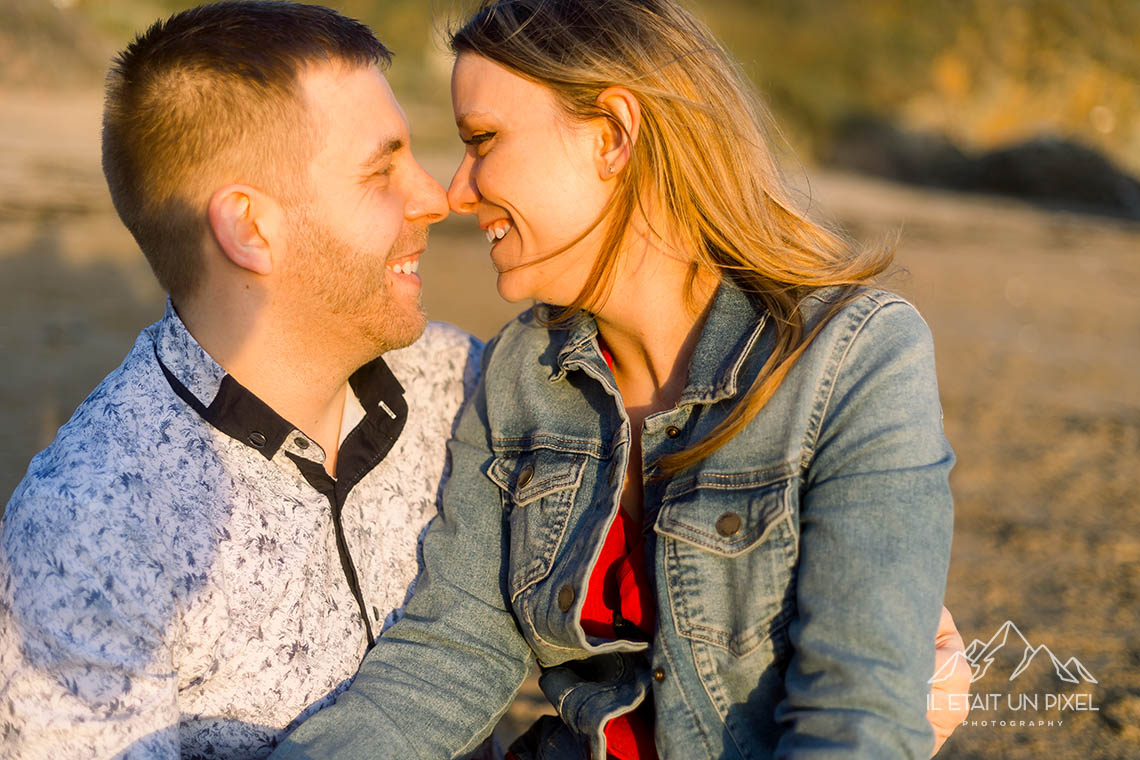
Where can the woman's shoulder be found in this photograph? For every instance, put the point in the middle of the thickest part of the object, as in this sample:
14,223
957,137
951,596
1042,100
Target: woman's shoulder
868,311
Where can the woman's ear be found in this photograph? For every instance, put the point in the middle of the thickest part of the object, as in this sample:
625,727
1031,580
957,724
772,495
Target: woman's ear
245,223
620,132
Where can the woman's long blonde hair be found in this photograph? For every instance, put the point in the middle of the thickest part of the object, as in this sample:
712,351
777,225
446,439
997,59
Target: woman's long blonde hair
702,153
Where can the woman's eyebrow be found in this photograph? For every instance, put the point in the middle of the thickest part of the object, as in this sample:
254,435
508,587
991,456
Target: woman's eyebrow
463,119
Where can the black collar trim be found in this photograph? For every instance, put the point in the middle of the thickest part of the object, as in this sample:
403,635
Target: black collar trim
240,414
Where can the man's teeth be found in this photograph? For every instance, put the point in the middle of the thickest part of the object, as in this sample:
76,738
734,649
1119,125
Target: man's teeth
408,267
497,231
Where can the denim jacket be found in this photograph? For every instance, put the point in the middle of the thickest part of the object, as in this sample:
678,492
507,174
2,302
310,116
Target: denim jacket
799,570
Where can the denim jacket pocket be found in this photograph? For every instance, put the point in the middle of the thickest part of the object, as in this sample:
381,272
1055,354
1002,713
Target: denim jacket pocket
730,553
538,489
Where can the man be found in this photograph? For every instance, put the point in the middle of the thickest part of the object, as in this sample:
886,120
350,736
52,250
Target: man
203,556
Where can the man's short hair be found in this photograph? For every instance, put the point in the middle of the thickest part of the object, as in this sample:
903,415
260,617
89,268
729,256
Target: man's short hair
211,96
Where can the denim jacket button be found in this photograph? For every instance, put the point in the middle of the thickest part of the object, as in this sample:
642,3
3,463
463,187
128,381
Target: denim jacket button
728,524
565,598
659,674
525,476
673,431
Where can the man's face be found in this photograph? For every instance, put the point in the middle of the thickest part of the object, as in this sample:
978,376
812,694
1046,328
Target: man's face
357,240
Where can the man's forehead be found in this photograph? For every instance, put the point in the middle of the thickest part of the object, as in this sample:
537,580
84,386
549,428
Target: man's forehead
356,109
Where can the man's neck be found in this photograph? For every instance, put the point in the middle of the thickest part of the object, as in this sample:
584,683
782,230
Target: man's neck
299,376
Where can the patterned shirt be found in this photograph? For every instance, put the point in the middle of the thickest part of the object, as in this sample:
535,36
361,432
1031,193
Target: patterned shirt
179,576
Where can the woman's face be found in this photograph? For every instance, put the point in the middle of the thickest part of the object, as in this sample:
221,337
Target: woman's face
531,176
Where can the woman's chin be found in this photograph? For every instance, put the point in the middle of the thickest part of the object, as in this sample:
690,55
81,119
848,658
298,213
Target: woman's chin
510,290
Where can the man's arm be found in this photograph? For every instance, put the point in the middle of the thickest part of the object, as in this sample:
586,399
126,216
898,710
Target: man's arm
84,666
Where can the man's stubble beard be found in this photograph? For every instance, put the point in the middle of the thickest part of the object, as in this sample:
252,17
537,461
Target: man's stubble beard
350,287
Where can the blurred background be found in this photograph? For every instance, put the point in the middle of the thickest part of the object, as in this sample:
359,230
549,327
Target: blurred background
1002,137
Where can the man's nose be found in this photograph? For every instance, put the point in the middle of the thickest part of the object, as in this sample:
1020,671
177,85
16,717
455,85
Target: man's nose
463,194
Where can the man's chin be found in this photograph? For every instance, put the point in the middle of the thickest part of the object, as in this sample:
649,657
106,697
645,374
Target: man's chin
393,331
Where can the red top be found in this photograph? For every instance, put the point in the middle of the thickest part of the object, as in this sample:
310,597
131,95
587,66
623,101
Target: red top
618,594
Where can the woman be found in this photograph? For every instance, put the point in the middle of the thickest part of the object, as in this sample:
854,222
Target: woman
705,483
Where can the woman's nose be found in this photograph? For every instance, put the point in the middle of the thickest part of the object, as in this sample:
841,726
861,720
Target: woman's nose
463,193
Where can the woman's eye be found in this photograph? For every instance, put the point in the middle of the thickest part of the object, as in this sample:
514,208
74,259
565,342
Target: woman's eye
478,139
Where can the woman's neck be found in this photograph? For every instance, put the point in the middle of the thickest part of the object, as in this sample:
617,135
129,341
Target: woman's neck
651,323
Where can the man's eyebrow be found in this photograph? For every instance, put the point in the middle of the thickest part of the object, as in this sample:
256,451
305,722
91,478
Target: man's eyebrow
385,150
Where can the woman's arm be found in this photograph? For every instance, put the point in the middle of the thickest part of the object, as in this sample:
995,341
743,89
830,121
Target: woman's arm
875,526
437,681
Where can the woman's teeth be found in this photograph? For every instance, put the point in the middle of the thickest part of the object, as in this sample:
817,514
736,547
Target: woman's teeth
497,230
408,267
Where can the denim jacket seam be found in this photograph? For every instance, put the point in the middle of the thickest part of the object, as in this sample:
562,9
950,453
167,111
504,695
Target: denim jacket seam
779,621
839,355
716,710
500,446
695,482
681,688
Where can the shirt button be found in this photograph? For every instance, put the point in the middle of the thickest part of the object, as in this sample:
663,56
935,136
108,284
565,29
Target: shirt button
256,439
566,598
659,674
301,443
673,431
729,524
525,476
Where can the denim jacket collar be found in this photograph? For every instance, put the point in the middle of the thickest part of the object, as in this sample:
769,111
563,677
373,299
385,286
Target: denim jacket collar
717,360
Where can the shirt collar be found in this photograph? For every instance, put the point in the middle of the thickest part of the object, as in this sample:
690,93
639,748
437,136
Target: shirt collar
732,328
234,410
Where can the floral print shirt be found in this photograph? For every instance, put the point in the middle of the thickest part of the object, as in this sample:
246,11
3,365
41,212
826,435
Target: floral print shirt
178,576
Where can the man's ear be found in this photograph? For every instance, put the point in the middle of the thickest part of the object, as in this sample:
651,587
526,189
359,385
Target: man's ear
247,226
620,130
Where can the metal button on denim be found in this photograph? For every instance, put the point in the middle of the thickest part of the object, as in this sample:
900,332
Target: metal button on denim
256,439
659,674
672,431
525,476
565,598
728,524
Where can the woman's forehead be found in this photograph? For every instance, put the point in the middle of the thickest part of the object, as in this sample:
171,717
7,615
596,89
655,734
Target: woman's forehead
479,84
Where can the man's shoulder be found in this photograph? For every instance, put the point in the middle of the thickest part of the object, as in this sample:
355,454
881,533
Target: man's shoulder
442,364
101,457
441,346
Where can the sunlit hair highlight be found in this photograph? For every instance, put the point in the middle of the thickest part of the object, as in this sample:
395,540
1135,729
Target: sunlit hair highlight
702,157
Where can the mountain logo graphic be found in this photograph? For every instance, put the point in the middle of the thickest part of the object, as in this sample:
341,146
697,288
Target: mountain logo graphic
980,655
